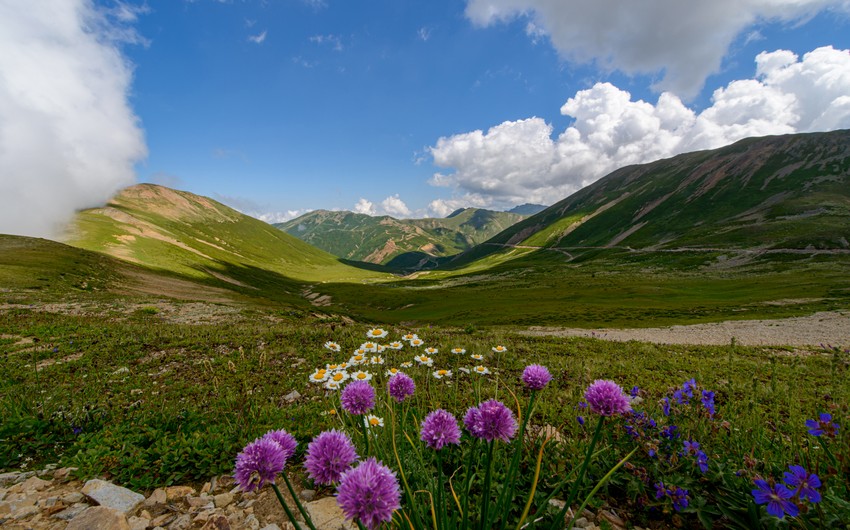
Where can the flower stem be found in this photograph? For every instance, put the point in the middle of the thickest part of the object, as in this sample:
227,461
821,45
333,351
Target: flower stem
580,478
298,503
285,507
503,506
485,494
600,484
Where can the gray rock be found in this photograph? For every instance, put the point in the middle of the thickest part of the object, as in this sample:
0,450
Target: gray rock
307,495
158,497
292,396
99,518
7,479
73,498
326,514
181,523
138,523
223,499
34,484
111,496
252,523
71,512
270,527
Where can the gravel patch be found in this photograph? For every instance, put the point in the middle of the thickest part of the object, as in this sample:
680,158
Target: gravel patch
820,328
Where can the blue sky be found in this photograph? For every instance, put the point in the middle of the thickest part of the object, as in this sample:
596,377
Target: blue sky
276,107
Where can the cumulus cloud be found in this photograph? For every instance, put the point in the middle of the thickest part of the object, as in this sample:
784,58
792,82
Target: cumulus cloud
365,206
68,137
395,207
259,211
521,161
686,41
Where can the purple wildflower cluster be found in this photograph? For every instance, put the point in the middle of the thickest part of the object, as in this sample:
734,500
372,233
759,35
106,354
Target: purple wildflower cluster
684,395
358,398
262,460
369,493
439,428
606,398
491,420
692,449
823,426
329,455
401,386
786,499
536,377
678,496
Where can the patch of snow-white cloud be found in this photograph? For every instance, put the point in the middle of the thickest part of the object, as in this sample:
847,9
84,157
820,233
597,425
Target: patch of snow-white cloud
683,41
68,136
523,161
395,207
365,206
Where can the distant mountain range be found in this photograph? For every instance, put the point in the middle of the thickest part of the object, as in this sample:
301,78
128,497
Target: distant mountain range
777,194
403,244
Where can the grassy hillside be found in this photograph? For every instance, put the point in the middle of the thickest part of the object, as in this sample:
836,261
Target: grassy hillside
767,194
398,243
197,237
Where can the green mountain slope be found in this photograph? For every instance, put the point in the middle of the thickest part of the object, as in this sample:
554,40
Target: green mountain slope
398,243
197,237
780,194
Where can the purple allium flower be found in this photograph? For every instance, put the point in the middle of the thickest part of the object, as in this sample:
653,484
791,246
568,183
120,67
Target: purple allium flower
606,398
401,386
259,462
369,493
708,401
440,428
491,420
804,484
822,426
536,376
358,398
329,455
286,441
776,498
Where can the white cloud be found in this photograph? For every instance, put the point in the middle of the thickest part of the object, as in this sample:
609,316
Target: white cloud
258,38
443,207
68,136
686,41
334,41
279,217
521,161
395,207
365,206
424,34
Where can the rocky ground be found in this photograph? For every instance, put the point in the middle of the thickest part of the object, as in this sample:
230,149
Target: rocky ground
51,500
809,331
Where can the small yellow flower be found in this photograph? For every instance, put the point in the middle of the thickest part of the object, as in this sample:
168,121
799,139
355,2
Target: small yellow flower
332,346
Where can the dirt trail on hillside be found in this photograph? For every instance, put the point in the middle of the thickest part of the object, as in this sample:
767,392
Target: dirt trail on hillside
821,328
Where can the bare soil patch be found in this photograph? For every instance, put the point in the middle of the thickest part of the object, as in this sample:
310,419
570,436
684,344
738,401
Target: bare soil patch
820,328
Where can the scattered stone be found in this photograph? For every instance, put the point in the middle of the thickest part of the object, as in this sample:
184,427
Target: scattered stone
99,518
182,522
270,527
326,514
7,479
219,522
138,523
307,495
199,502
173,493
163,519
292,396
158,497
34,484
25,511
72,511
582,522
111,496
612,518
207,487
63,473
223,499
252,523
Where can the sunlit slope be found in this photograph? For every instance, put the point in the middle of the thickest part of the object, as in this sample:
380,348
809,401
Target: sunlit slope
198,237
399,243
772,194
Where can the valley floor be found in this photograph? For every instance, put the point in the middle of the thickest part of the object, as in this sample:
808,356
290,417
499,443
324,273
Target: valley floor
831,327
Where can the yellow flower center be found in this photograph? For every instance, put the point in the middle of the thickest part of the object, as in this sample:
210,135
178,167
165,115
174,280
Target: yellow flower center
374,422
338,377
442,372
361,375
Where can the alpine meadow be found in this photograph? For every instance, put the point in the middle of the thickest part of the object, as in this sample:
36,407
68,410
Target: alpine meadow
254,275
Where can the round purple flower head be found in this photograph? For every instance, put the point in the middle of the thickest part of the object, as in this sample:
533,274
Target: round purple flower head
536,376
286,441
369,493
329,455
358,397
606,398
259,462
491,420
401,386
439,428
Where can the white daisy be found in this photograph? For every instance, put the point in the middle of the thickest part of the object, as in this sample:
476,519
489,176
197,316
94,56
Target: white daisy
416,342
358,358
477,356
373,421
406,364
396,345
361,376
481,370
339,377
410,336
319,376
458,351
376,333
464,370
332,367
377,359
370,347
424,360
331,385
499,349
439,374
430,350
332,346
391,372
